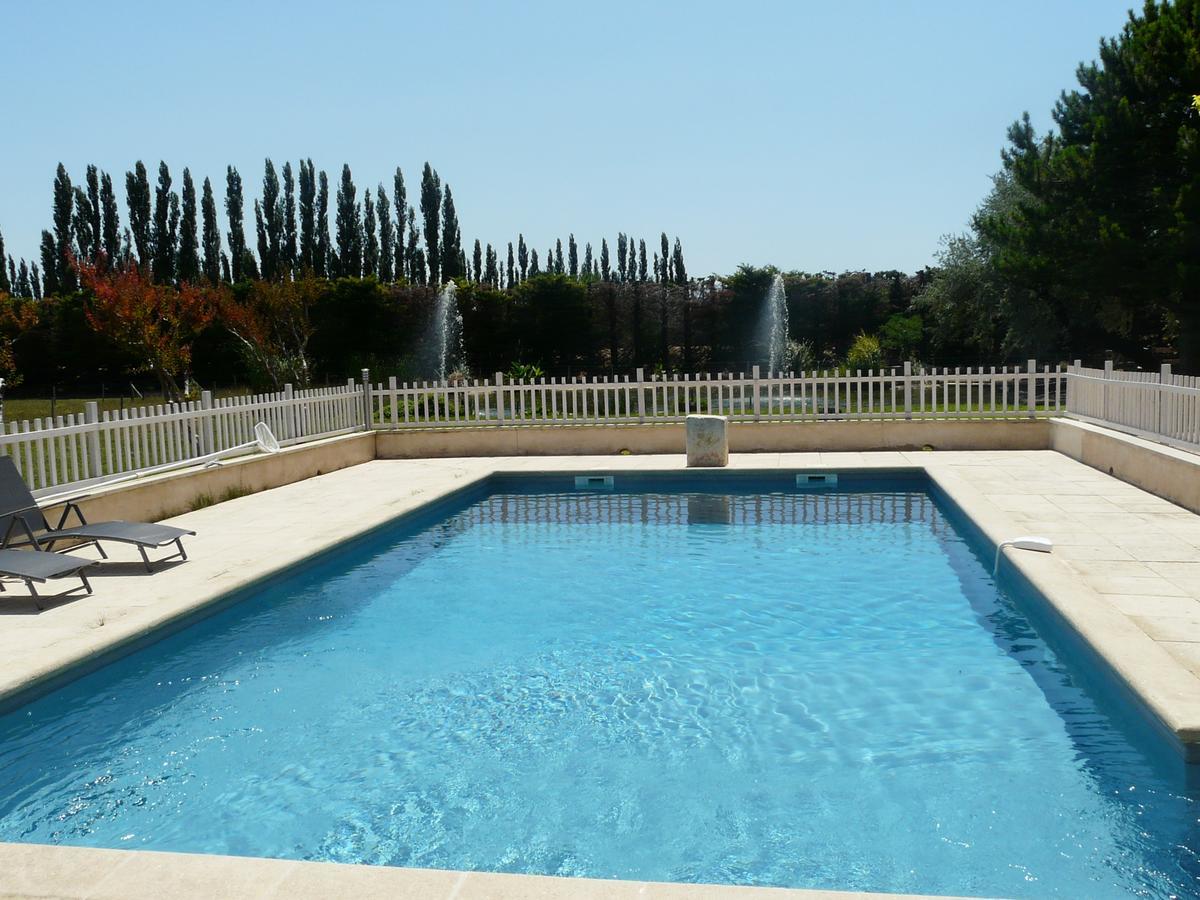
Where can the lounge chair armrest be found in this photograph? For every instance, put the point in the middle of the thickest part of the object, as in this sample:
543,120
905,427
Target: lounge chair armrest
67,506
23,509
69,501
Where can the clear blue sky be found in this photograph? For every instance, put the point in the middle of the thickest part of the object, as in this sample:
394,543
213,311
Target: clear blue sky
808,135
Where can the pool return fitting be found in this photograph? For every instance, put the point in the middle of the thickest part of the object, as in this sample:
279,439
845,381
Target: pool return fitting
1039,544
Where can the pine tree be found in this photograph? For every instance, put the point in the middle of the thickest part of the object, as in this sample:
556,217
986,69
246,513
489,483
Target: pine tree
289,252
110,219
235,210
622,247
321,249
81,224
308,195
211,235
572,256
522,257
534,270
349,229
677,262
188,269
431,207
93,205
477,259
605,271
49,265
400,201
510,267
387,237
5,283
558,257
64,205
370,262
451,248
162,240
641,260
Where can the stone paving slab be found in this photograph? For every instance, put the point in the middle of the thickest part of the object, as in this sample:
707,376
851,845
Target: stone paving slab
1122,575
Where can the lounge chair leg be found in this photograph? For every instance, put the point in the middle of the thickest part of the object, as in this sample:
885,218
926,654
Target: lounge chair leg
32,589
145,558
87,587
100,550
179,544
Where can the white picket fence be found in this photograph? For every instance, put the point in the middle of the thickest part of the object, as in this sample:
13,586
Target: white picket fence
78,450
75,451
901,393
1156,405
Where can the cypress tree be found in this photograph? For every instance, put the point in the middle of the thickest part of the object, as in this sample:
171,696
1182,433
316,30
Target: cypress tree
510,267
677,263
477,259
225,274
137,198
110,220
533,264
5,282
622,248
587,260
522,257
370,263
235,210
641,260
264,250
211,235
349,229
269,219
162,238
64,205
35,284
81,224
414,258
657,273
665,256
451,249
572,256
558,257
12,277
188,269
400,201
490,274
308,195
387,237
431,206
289,252
49,265
93,205
605,271
321,249
22,280
549,260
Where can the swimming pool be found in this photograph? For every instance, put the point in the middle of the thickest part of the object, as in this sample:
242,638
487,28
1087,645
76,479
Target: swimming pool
727,680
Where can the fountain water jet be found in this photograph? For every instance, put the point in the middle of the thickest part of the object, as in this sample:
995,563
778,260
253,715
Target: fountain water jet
448,332
775,312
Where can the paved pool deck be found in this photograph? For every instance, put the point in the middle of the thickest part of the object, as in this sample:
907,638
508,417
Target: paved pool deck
1125,573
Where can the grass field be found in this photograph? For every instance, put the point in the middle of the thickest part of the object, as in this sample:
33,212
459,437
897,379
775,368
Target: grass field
19,409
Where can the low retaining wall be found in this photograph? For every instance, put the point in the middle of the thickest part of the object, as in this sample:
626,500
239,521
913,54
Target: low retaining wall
1170,473
744,437
162,496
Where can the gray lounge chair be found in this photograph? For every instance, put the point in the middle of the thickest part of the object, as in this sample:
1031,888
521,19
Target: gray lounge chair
19,512
41,566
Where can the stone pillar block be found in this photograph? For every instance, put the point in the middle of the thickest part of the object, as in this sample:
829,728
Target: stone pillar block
707,441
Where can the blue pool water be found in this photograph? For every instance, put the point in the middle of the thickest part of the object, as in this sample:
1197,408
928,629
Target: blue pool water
745,684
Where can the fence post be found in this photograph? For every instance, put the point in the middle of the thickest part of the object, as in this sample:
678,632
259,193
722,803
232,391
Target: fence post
1072,405
368,413
1108,371
1164,378
206,428
290,425
641,395
757,405
91,415
500,398
1031,390
907,389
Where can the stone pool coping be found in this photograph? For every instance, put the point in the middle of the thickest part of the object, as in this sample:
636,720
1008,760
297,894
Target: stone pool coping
244,541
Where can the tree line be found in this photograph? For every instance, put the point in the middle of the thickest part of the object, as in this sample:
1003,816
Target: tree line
176,240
